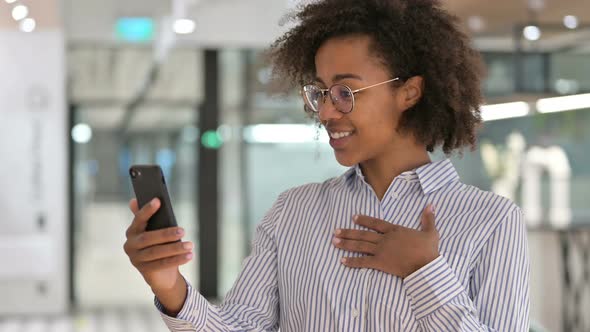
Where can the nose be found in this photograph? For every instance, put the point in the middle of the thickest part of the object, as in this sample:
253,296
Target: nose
328,111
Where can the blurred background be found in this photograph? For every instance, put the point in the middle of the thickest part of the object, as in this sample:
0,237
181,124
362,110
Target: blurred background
88,88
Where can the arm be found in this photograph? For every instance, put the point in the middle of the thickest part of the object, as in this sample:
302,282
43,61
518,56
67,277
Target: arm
498,299
251,304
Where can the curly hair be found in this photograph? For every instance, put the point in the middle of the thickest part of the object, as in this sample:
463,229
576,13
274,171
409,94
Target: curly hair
410,38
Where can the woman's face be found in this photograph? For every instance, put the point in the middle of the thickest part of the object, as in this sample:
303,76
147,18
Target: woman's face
373,122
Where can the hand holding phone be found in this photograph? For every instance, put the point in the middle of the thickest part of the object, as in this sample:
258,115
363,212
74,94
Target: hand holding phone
153,239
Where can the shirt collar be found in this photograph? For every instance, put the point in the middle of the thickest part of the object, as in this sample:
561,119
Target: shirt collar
432,176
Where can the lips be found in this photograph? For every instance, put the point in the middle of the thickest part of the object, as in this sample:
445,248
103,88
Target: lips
339,138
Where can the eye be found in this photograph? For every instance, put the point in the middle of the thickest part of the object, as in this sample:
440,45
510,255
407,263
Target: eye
343,93
318,94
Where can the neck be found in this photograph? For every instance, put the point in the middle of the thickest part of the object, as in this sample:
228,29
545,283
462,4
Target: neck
379,172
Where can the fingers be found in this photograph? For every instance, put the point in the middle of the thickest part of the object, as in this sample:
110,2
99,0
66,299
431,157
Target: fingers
133,206
162,251
142,216
352,234
355,246
165,263
378,225
152,246
365,262
152,238
427,220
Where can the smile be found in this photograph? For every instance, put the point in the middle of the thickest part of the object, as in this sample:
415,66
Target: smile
339,135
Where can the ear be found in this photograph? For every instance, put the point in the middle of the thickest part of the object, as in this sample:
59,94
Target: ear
411,92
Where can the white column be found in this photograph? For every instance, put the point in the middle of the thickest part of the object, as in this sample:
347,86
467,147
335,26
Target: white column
33,172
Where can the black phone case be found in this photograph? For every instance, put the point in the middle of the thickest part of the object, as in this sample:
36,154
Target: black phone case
148,183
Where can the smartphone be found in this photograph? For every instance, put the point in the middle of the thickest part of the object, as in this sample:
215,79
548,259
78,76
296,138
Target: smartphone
149,183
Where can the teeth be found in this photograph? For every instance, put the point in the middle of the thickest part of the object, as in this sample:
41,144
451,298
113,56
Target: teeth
340,135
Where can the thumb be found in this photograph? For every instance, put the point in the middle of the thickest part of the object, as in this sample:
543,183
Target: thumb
428,220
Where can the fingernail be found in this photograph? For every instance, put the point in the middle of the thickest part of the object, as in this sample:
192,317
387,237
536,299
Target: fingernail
343,260
432,209
189,256
338,232
187,245
336,240
355,217
153,202
179,231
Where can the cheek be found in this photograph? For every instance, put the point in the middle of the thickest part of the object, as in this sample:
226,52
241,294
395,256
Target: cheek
379,126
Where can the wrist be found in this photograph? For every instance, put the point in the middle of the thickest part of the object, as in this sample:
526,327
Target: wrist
169,287
172,298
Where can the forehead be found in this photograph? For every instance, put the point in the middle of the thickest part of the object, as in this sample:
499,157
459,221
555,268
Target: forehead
348,54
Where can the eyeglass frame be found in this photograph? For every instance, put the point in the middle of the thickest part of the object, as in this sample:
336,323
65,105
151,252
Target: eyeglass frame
326,92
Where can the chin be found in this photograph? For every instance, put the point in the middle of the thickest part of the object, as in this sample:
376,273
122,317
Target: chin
345,159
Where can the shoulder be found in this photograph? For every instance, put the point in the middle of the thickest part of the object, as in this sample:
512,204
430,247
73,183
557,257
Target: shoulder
489,201
485,210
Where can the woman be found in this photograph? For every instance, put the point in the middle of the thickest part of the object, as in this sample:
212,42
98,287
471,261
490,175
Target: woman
397,243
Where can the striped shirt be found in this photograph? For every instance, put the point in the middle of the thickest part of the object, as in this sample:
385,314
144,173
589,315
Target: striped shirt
293,279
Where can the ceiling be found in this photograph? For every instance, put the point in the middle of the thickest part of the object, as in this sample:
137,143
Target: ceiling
500,16
92,20
242,23
46,14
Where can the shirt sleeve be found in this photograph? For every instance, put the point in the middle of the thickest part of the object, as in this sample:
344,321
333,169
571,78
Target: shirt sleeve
253,302
498,298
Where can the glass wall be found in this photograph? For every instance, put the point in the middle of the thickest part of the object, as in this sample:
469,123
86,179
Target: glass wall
110,134
270,145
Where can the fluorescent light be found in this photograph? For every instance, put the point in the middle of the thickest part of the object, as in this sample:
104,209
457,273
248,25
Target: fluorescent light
19,12
570,22
283,133
28,25
505,111
184,26
532,32
566,103
81,133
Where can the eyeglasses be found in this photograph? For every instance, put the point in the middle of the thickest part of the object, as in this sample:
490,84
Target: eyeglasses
341,95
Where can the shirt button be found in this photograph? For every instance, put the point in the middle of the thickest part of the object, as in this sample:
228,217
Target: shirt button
355,313
395,195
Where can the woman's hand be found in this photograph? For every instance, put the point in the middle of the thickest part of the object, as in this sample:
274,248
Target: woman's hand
393,249
155,254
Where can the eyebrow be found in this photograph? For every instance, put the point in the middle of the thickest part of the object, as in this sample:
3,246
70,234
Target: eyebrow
340,77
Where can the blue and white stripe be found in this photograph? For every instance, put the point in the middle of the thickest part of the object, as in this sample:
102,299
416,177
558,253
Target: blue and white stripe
294,280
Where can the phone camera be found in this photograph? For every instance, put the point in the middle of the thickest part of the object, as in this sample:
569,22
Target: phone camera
134,173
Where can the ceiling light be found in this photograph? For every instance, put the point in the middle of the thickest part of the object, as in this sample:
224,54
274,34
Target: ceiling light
27,25
570,21
505,111
532,32
19,12
283,133
566,103
476,23
81,133
184,26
